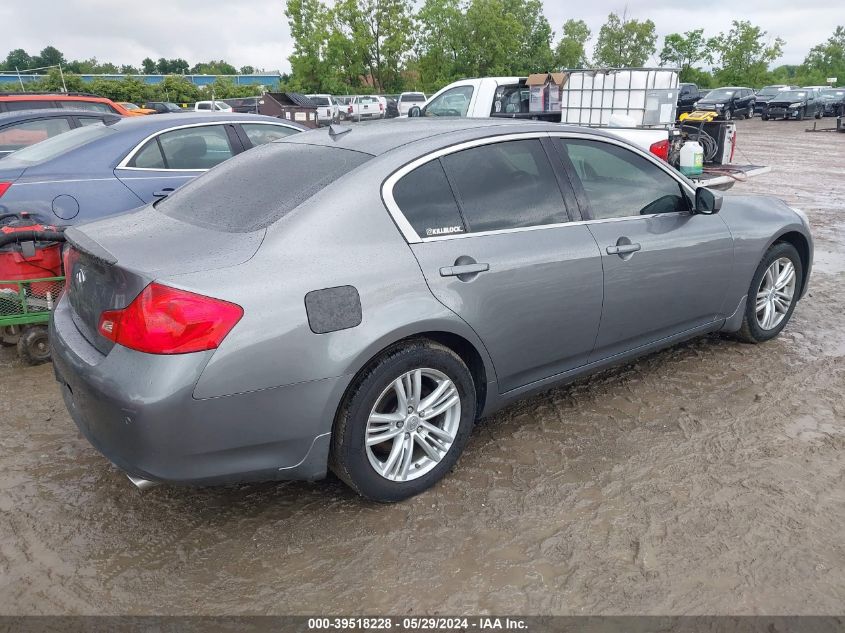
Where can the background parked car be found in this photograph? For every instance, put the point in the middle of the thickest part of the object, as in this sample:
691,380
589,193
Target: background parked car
365,107
342,106
27,127
101,170
391,110
729,102
766,93
164,107
688,95
327,109
794,104
12,101
408,100
212,106
135,109
833,101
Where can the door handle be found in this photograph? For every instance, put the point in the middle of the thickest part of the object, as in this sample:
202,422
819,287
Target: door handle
163,193
622,249
463,269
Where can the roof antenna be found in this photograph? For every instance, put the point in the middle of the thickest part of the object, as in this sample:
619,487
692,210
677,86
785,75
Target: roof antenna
336,130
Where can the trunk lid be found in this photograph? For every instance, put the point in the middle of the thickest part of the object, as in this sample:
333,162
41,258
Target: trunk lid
115,259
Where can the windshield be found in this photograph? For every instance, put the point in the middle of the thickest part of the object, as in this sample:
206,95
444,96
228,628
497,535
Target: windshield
833,94
792,95
273,180
129,106
56,145
770,91
721,93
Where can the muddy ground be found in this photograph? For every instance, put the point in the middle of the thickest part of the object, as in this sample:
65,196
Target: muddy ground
708,478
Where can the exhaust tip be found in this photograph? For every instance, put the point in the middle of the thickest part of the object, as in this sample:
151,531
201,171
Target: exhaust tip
142,484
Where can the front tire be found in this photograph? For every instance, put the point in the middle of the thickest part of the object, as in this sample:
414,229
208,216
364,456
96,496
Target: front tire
774,291
750,114
404,422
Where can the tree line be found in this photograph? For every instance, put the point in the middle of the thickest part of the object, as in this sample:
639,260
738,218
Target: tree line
19,59
351,46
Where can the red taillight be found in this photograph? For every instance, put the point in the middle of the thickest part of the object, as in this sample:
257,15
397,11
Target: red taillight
349,110
165,320
381,106
660,149
4,187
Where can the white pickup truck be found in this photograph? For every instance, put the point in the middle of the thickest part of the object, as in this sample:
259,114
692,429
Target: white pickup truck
508,97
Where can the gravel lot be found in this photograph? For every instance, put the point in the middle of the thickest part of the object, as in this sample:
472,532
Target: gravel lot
705,479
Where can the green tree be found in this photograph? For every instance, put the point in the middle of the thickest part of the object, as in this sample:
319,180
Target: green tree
148,66
571,50
624,43
127,69
177,88
827,59
685,52
440,46
743,55
19,59
214,68
379,31
49,56
309,22
534,50
247,70
493,36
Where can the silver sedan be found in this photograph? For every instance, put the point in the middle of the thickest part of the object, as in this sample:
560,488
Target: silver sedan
357,299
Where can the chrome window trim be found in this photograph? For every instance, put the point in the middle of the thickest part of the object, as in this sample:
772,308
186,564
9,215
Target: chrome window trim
412,237
128,158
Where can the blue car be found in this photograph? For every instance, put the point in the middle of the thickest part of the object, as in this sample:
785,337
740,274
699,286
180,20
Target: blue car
100,170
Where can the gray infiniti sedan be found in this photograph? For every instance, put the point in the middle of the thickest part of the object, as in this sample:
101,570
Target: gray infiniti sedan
357,299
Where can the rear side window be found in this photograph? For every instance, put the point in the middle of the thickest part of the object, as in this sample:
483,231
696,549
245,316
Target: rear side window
505,186
27,133
426,201
254,190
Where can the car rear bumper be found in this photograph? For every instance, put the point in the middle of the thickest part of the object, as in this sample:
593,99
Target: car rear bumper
139,411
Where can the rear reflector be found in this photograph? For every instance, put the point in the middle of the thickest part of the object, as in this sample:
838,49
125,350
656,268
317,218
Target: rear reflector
4,187
660,149
165,320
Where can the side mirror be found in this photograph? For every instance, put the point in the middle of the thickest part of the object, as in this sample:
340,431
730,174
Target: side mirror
415,111
707,202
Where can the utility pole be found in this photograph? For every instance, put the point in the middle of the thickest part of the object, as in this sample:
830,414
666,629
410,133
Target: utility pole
62,75
17,70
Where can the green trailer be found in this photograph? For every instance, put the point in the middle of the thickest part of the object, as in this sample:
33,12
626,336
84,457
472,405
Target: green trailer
25,308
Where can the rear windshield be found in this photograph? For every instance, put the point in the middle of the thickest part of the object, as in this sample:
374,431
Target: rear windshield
368,100
257,188
320,101
413,96
56,145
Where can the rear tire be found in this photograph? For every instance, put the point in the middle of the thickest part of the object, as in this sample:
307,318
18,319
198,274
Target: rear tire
34,345
765,319
750,114
373,409
765,117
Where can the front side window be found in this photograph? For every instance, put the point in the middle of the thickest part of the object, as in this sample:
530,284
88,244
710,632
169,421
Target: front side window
427,202
454,102
506,185
619,183
260,133
18,135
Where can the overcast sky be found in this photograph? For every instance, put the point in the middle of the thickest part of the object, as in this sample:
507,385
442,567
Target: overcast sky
254,32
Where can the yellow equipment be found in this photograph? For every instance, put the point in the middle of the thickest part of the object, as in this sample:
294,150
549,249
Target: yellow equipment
698,116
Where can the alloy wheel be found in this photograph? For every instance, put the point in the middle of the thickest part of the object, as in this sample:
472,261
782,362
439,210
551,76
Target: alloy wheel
413,424
775,294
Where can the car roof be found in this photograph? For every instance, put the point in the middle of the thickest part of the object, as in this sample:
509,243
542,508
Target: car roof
53,113
52,97
383,136
190,117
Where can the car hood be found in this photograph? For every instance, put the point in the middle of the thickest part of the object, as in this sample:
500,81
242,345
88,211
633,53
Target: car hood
780,103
